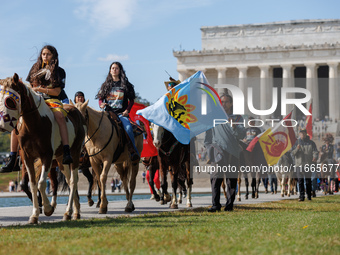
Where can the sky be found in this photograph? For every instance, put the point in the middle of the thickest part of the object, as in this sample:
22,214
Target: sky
141,34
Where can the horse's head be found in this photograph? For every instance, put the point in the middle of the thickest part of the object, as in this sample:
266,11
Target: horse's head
10,102
81,106
158,133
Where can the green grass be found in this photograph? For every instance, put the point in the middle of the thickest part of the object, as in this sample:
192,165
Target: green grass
285,227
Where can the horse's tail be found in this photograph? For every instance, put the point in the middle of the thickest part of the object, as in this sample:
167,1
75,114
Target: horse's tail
62,180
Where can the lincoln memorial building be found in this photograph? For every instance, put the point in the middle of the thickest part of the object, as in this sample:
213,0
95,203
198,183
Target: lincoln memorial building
301,53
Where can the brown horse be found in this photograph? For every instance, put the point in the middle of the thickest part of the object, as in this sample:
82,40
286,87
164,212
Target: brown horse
39,138
172,154
103,145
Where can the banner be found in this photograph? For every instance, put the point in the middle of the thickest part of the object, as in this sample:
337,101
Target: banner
275,141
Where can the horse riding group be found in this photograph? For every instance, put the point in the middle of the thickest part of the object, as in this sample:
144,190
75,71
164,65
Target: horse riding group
51,134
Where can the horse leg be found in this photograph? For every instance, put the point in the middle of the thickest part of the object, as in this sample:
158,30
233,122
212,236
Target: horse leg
239,188
74,189
152,173
86,172
174,184
180,193
282,181
253,187
258,178
134,168
103,178
189,182
289,182
246,181
48,209
54,184
34,189
66,171
164,183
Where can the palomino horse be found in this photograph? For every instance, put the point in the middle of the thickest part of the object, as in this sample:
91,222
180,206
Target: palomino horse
103,142
172,154
39,137
285,176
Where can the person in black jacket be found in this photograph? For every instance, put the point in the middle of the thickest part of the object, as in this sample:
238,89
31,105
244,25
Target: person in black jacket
305,154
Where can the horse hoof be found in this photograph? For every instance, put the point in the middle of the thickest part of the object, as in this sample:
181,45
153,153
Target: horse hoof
102,210
167,198
180,201
282,195
288,195
33,220
50,212
66,217
239,199
163,202
157,198
174,206
189,205
40,210
76,216
129,209
246,196
90,202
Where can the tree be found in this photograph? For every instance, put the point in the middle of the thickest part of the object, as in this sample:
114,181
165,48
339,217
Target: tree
5,141
141,100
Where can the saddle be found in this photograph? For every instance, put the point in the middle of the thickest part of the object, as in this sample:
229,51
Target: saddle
124,139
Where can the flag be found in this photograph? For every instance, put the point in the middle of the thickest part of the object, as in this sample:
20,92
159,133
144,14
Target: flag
188,109
275,141
309,122
149,150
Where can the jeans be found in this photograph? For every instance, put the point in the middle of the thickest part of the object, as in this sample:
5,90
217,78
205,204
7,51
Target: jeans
128,128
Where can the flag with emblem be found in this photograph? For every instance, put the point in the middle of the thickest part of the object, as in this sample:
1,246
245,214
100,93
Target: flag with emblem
188,109
275,141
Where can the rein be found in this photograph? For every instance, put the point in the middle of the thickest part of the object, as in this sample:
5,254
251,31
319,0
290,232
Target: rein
170,150
87,120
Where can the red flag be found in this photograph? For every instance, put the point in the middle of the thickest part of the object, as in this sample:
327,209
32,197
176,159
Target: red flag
309,122
149,150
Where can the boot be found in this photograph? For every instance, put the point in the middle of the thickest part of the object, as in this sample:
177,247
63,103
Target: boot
313,194
67,159
12,165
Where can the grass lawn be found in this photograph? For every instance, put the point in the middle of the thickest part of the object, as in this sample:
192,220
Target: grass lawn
285,227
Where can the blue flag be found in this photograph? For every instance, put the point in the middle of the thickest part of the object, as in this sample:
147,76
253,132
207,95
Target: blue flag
188,109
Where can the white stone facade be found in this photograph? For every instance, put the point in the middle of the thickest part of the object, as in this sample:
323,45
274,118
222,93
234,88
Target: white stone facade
303,53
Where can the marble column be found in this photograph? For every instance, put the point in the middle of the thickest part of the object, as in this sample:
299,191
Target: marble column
221,79
265,91
242,83
288,81
333,91
313,86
